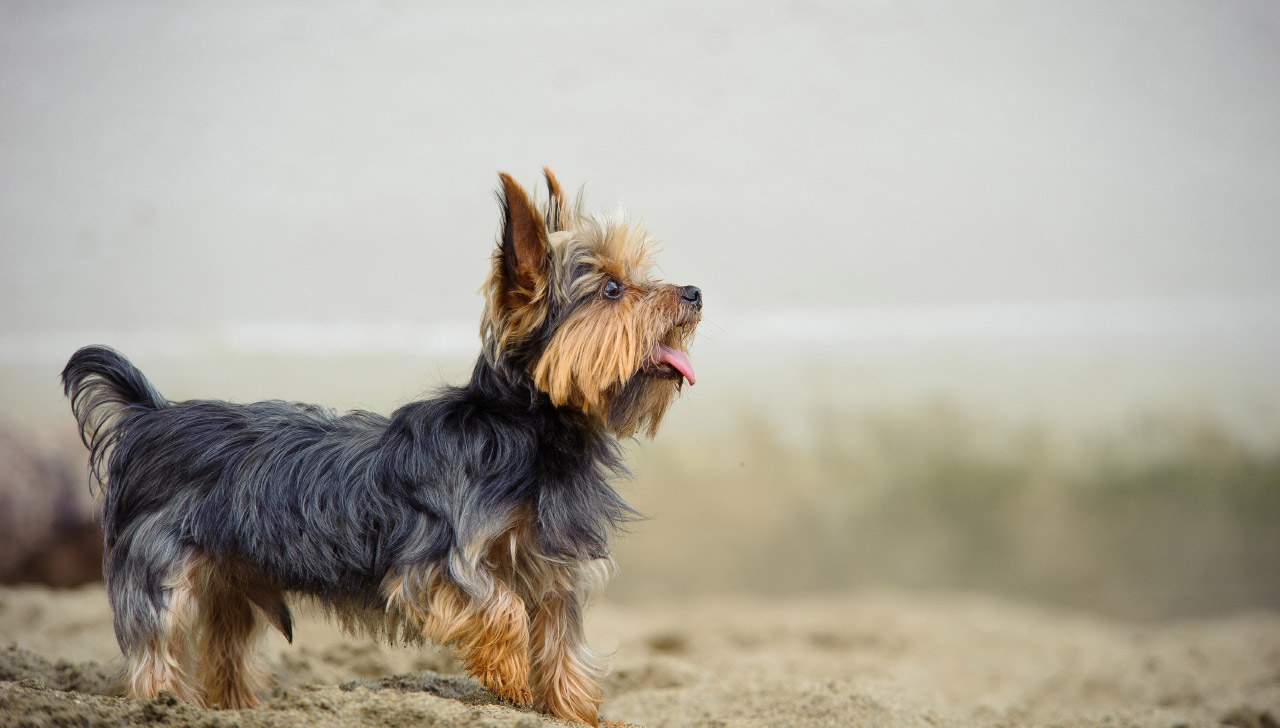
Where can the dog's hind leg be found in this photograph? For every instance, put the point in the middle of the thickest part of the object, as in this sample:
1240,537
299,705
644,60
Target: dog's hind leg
151,589
231,672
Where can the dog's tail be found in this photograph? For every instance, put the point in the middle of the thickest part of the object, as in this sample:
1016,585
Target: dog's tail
103,387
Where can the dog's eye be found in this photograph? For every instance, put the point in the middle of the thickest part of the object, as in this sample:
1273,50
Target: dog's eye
612,289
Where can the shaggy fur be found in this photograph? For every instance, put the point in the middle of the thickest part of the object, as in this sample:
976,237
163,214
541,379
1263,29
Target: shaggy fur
479,519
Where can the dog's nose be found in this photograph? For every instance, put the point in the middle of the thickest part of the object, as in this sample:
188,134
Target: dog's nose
692,294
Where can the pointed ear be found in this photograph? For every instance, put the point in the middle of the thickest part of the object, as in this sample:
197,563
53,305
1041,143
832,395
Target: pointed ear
523,245
557,207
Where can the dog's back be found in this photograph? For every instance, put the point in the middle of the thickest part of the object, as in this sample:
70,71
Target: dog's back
294,483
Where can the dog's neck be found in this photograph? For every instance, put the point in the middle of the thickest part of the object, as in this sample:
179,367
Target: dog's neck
513,387
575,503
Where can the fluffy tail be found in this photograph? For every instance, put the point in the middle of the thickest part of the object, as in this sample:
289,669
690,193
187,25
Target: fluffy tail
103,387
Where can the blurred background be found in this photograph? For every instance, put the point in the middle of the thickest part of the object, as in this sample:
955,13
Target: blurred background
993,288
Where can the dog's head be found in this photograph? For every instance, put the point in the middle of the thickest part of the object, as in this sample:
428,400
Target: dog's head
572,305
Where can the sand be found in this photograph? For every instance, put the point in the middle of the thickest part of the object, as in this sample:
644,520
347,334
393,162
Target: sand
881,658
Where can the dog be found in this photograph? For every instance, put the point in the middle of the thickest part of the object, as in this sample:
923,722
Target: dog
479,519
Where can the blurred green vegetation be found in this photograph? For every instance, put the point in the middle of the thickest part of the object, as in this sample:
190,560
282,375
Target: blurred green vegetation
1166,516
1169,514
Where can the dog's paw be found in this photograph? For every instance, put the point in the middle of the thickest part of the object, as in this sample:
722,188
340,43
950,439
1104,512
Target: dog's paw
512,690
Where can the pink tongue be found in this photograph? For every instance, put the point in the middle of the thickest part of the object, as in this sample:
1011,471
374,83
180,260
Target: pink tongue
663,354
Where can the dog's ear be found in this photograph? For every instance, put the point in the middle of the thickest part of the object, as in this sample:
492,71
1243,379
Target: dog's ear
557,211
523,244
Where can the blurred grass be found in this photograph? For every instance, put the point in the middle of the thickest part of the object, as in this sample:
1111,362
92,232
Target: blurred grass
1167,516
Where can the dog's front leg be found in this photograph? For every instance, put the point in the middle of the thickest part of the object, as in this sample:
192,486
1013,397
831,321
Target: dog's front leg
490,635
564,669
485,623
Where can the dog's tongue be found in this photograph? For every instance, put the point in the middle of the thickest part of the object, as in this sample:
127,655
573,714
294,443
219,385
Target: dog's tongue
663,354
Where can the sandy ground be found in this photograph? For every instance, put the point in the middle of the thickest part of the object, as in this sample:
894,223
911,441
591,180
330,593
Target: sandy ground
882,658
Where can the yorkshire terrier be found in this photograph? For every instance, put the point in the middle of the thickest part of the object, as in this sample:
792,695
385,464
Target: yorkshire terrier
479,519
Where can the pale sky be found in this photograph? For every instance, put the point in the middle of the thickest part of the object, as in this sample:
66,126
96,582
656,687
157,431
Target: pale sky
168,164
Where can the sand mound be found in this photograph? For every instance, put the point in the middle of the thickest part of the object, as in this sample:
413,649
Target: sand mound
36,692
889,659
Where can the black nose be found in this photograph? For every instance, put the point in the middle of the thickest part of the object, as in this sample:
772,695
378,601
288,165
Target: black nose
692,294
